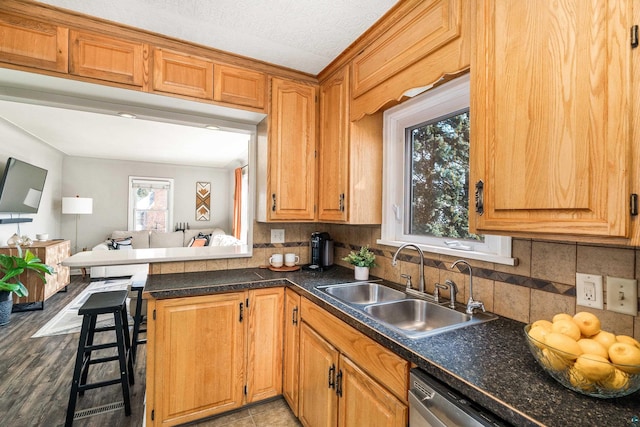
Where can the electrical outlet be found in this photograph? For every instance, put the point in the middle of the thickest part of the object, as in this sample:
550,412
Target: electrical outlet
589,290
277,235
622,295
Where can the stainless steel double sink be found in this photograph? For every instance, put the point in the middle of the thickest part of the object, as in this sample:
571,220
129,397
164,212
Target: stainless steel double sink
411,317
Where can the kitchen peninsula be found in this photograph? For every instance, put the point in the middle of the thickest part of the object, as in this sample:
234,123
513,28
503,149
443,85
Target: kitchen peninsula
489,363
154,255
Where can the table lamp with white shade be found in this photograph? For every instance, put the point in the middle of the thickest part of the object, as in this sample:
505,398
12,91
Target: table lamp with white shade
78,206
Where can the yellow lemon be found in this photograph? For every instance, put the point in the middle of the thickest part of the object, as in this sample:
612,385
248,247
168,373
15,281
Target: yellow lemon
618,381
590,346
625,356
588,323
567,327
554,362
562,316
593,367
578,380
563,345
544,323
627,339
538,333
605,338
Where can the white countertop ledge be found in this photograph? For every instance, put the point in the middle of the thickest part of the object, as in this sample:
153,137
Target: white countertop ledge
100,258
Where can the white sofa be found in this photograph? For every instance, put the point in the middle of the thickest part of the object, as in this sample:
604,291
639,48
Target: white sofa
154,239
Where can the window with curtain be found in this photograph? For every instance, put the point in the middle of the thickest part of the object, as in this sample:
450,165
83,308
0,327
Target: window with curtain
150,203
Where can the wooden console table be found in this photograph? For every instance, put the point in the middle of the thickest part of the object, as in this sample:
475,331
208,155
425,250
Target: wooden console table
52,253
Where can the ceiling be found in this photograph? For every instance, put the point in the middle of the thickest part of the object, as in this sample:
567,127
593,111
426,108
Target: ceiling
79,118
304,35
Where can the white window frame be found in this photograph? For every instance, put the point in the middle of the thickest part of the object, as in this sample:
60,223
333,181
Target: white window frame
438,102
130,210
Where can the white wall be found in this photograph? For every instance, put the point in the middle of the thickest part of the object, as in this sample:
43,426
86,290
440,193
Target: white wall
106,181
14,142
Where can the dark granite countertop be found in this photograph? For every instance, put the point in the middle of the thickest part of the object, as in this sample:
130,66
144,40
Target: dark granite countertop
490,363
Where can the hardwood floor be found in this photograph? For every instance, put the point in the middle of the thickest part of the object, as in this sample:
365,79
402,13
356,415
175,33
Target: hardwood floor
35,373
35,379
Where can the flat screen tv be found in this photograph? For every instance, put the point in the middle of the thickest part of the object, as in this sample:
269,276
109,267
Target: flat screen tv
21,187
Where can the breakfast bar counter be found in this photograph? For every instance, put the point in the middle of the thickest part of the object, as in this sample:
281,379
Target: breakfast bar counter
489,363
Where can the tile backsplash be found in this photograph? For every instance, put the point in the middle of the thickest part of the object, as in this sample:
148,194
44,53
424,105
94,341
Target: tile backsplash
539,286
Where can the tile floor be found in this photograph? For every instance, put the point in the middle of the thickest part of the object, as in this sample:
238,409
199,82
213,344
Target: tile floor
271,414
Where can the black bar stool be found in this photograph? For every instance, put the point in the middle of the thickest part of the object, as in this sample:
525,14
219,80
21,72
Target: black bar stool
137,286
102,303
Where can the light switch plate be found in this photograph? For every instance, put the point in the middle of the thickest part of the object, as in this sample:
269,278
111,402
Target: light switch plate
589,290
277,235
622,295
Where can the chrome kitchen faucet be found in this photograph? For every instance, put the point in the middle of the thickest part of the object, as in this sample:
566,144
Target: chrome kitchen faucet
472,304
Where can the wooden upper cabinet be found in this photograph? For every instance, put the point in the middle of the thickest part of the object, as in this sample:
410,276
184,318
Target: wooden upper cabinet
427,27
291,173
33,43
350,163
107,58
428,40
239,86
333,164
182,74
550,127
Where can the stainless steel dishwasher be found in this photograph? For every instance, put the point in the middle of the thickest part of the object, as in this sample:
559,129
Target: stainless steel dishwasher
434,404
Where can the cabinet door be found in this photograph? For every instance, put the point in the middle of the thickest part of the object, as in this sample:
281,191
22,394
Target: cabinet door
364,402
33,43
107,58
264,362
291,349
550,109
292,144
333,163
239,86
318,369
182,74
197,347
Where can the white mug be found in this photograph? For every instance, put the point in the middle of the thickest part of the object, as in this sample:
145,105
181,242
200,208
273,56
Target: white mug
291,259
276,260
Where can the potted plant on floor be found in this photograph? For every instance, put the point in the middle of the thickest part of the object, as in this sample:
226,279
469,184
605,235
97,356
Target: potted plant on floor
11,267
363,260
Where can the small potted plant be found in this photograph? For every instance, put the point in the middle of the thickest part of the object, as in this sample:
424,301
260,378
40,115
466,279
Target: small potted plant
363,260
11,267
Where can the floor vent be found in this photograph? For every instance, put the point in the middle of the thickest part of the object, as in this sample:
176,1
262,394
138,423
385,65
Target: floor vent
86,413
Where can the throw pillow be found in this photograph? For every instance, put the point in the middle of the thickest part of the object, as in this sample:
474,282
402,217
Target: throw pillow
199,240
121,243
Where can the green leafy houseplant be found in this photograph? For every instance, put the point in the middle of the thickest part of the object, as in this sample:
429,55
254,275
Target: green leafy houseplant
362,258
11,267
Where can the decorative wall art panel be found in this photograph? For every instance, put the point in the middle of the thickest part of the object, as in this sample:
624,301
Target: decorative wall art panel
203,201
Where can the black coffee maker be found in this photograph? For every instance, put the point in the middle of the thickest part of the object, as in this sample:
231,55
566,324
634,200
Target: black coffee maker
321,251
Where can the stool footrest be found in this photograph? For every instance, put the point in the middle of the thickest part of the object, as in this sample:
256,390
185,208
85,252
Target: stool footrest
83,387
95,347
104,328
103,359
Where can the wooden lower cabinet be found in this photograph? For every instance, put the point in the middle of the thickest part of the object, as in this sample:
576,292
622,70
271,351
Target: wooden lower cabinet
197,359
264,364
346,379
291,362
52,253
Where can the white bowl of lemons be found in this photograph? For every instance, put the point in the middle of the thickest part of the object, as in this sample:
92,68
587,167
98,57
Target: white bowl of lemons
582,357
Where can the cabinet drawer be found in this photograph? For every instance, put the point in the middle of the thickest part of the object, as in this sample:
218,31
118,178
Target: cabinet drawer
107,58
33,43
386,367
182,74
239,86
